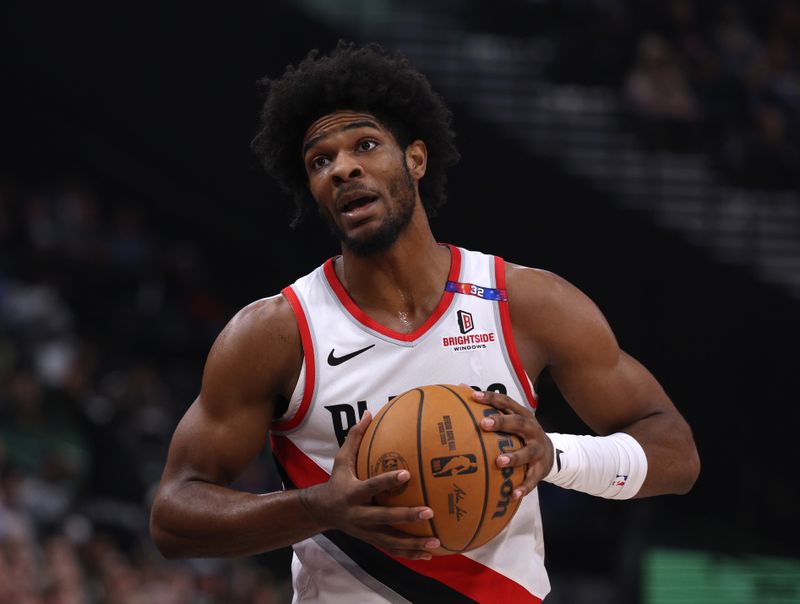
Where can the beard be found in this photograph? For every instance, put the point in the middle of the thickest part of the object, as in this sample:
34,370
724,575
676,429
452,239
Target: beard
402,190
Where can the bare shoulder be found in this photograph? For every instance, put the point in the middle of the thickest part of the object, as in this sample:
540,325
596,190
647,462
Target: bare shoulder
555,314
251,364
265,321
534,289
536,285
258,354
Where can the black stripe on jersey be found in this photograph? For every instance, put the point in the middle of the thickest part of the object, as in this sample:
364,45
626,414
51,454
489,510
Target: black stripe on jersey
411,585
288,485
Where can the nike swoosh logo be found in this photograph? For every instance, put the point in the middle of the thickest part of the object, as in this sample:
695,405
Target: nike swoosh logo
559,453
333,361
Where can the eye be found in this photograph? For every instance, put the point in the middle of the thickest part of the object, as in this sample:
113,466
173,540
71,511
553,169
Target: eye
367,145
320,161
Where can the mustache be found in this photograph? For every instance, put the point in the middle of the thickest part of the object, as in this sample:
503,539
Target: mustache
356,188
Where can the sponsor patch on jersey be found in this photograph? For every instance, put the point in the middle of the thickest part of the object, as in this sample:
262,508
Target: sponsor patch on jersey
465,324
467,340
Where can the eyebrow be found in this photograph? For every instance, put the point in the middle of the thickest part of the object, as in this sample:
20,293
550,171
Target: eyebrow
351,126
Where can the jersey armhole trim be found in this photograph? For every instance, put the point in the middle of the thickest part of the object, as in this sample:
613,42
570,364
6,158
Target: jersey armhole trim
508,335
308,356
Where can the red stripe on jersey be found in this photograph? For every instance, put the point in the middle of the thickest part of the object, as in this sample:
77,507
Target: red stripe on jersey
472,579
364,319
308,354
508,336
302,470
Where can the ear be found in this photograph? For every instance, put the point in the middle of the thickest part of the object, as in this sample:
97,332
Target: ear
417,159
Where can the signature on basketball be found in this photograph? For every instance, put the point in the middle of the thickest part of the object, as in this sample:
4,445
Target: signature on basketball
453,499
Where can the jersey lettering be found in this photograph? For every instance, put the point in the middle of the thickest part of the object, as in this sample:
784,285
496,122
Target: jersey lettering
344,418
496,387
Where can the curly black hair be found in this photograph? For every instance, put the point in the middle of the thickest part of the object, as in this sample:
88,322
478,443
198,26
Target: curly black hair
367,79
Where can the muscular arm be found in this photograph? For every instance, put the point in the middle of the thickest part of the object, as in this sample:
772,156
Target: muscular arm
195,513
559,328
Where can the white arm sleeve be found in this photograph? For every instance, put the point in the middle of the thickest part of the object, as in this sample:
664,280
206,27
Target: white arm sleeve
612,466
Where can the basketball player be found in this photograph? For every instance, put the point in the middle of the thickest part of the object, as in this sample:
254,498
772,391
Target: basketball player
360,137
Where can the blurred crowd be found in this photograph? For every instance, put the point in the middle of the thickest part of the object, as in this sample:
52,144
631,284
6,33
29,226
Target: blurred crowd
723,77
103,329
720,77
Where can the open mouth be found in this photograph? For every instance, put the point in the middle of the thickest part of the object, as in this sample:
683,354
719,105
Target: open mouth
359,202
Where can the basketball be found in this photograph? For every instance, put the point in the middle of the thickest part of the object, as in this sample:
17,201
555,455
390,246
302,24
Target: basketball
434,432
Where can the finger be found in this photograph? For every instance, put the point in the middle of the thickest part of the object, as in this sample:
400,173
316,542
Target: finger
530,482
410,554
390,515
533,451
389,538
352,441
520,457
501,402
515,424
381,483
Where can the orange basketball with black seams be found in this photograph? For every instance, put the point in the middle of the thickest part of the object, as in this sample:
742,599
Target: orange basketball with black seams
434,432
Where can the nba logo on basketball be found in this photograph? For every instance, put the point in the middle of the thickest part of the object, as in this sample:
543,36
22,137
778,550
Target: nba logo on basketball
454,465
465,323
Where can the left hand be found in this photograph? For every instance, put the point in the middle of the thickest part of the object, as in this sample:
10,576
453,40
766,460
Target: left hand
537,449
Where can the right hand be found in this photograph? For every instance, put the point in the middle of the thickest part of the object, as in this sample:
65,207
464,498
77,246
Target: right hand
346,503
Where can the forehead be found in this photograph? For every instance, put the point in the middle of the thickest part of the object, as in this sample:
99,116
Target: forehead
336,122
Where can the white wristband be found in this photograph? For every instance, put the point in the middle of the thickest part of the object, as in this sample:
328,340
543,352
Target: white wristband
612,466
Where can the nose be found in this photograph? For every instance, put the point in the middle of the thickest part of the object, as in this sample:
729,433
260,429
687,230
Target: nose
345,168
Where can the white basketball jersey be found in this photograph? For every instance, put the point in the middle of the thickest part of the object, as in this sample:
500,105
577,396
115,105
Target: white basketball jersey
351,364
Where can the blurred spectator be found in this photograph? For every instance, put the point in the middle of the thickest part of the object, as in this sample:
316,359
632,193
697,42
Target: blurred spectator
79,222
766,157
41,228
128,244
735,41
658,91
44,444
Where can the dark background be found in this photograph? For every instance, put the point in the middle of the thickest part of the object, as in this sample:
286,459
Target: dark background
145,113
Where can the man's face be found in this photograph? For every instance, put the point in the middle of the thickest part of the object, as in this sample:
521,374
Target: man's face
358,175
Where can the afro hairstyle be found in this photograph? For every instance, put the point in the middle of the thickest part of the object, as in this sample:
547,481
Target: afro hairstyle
366,79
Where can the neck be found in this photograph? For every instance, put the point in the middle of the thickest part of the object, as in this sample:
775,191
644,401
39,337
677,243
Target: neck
400,287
